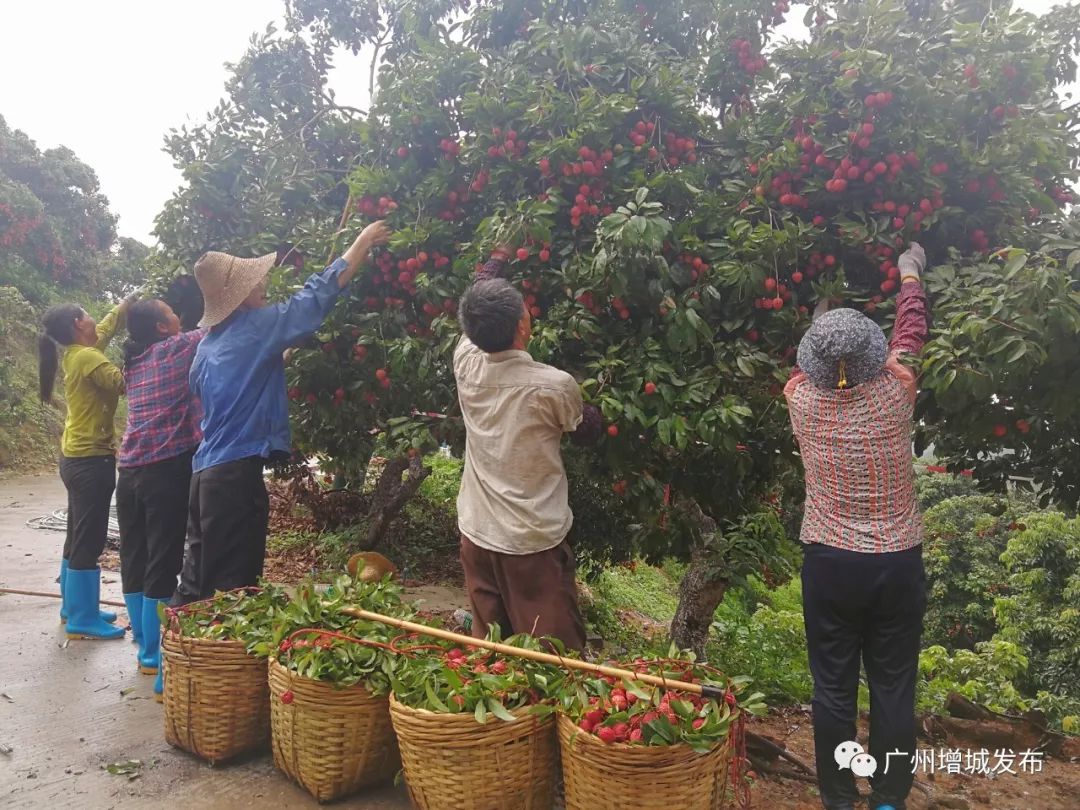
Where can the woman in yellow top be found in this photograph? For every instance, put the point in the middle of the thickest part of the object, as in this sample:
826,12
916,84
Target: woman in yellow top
92,387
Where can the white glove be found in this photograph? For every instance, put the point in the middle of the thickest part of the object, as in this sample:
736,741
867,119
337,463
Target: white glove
912,261
820,309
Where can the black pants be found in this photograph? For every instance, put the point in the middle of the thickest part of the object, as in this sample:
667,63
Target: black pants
228,512
90,482
152,506
867,606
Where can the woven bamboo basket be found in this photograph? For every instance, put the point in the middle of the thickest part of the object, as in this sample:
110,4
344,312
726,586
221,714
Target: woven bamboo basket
332,742
217,702
451,761
614,776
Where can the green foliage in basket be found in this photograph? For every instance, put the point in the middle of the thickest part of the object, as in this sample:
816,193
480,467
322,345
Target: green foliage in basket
323,608
362,655
315,638
442,677
247,615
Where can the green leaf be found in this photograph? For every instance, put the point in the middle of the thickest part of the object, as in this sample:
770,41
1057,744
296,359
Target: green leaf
1017,353
497,709
1014,265
434,699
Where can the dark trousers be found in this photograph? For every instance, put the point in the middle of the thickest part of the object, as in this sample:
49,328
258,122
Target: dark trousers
869,607
524,593
228,513
90,482
152,507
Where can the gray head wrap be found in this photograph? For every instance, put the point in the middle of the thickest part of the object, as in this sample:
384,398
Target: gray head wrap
842,346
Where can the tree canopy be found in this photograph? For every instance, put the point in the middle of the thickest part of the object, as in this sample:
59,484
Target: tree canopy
56,229
681,191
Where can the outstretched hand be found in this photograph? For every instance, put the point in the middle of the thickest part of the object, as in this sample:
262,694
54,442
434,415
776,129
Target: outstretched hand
912,261
375,234
129,299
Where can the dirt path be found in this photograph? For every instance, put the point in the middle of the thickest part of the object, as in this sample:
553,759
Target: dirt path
1056,786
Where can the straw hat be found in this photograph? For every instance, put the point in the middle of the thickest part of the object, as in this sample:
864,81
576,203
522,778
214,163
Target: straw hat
226,281
843,348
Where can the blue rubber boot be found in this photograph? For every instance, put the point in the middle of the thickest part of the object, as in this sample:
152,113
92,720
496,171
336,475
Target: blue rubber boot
150,652
83,590
106,615
134,602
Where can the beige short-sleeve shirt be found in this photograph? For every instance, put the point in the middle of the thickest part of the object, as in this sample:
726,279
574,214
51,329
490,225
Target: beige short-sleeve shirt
514,493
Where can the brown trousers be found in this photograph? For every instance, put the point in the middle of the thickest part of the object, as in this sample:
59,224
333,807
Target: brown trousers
524,593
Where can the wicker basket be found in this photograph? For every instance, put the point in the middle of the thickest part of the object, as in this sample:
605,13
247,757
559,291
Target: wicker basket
613,776
217,702
331,741
451,761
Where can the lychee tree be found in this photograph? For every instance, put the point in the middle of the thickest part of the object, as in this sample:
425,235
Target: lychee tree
680,193
55,224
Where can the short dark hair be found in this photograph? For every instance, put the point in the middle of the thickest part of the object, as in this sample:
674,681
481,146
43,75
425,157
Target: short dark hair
489,312
186,300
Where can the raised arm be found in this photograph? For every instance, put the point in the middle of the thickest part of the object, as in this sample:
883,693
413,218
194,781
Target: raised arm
285,323
109,325
495,266
912,326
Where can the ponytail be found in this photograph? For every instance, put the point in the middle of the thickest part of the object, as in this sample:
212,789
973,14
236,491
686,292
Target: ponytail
59,328
47,363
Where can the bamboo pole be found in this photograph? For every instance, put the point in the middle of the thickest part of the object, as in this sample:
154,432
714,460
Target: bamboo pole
706,690
18,592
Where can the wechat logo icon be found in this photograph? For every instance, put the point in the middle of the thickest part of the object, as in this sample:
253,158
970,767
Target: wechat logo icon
851,755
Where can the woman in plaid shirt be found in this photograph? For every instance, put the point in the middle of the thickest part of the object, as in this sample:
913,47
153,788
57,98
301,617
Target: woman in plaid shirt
155,468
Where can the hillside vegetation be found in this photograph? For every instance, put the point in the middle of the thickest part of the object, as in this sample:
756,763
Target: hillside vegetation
29,431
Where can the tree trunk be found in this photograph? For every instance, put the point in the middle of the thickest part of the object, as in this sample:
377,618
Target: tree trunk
700,593
391,494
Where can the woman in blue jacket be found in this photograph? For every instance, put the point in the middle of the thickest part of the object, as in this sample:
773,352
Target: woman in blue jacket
239,375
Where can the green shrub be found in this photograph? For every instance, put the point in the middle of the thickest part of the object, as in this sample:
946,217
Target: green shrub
932,488
964,539
441,487
1042,611
768,643
992,674
985,675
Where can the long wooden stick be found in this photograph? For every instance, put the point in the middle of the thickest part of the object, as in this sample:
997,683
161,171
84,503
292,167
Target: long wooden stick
707,690
56,596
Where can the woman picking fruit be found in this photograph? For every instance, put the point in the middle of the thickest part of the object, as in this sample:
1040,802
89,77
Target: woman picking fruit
92,387
513,511
851,404
239,376
155,468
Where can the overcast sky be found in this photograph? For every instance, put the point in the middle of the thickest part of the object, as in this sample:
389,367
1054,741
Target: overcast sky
109,78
